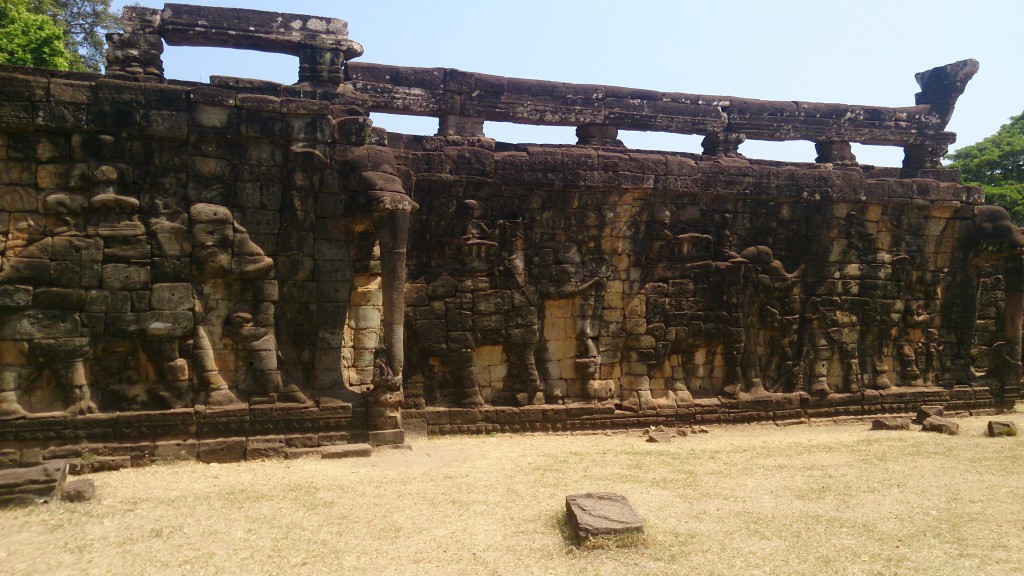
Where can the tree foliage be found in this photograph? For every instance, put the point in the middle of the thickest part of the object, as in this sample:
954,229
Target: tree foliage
31,38
26,38
997,165
85,24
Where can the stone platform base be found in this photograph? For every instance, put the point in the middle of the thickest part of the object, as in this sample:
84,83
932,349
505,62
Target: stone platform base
99,442
719,410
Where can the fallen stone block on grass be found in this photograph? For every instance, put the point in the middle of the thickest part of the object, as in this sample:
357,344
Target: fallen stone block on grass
601,514
34,485
926,412
891,423
80,490
1001,428
940,425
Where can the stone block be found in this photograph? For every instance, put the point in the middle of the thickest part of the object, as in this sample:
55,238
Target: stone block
12,296
925,412
601,514
940,425
177,450
998,428
125,277
333,438
890,423
346,451
222,450
386,437
36,484
265,448
79,490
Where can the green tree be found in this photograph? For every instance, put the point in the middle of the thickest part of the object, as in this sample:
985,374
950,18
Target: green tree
81,26
30,38
85,23
997,165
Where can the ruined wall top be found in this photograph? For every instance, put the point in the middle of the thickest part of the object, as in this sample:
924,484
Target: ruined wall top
463,101
188,25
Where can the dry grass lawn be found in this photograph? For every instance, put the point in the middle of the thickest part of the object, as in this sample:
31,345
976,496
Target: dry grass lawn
812,499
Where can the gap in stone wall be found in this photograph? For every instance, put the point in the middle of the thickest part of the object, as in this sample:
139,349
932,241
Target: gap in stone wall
398,124
663,141
525,133
197,64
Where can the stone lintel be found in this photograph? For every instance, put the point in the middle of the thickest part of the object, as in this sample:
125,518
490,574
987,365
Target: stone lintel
188,25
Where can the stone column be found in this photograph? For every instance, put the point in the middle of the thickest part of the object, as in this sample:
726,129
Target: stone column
135,54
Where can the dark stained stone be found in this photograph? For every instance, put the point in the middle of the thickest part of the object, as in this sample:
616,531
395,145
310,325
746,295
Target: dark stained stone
597,514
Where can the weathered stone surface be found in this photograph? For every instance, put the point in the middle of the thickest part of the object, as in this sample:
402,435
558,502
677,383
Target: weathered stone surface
926,412
601,514
79,490
239,249
940,425
346,451
891,423
177,450
36,484
998,428
265,448
221,450
386,437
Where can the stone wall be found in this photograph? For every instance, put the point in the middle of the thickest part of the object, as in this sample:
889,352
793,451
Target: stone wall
167,246
240,267
678,285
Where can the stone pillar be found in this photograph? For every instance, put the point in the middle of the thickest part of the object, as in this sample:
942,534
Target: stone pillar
317,65
598,135
834,152
921,156
135,54
467,126
723,144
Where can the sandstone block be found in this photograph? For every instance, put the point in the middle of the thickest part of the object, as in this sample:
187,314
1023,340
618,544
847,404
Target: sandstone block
177,450
176,296
601,514
925,412
940,425
37,484
79,490
890,423
1001,428
386,437
347,451
222,450
265,448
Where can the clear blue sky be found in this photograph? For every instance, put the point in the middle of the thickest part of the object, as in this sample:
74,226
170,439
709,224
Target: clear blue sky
863,52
